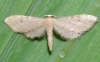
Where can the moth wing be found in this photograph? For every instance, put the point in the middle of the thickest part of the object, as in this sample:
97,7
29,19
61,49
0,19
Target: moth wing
30,26
38,32
72,27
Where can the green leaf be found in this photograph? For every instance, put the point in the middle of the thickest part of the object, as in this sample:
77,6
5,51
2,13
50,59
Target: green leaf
15,47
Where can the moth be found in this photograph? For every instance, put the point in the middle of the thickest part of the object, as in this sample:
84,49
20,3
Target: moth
69,27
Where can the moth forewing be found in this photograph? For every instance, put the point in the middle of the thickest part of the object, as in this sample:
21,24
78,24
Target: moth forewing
23,24
72,27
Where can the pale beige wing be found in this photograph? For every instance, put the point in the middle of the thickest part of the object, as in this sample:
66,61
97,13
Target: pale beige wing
30,26
72,27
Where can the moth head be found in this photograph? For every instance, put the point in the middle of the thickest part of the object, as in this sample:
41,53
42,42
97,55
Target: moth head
49,16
